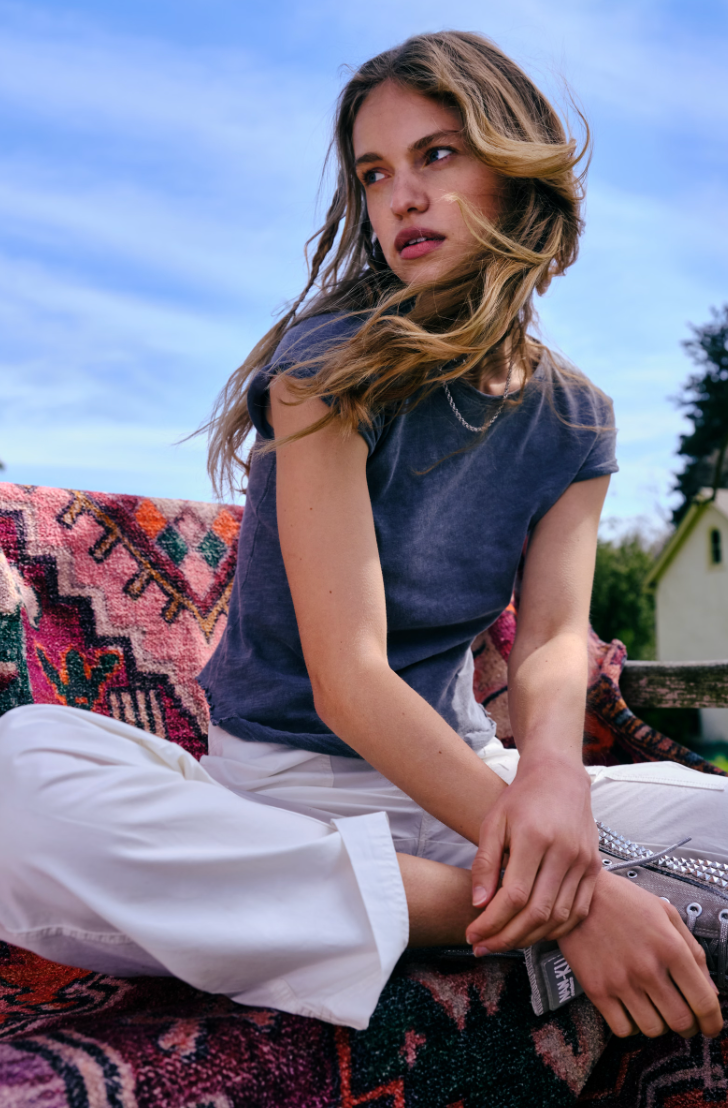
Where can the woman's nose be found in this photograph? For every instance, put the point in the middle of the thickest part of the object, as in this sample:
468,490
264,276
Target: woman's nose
408,195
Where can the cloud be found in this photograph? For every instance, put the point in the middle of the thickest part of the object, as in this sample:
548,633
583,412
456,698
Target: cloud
221,99
129,446
178,239
638,57
109,316
88,358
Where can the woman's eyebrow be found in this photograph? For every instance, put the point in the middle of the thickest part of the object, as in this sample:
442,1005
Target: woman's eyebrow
414,148
366,159
428,140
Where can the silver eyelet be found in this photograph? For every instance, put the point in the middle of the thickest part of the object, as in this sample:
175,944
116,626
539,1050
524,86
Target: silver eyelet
723,914
694,909
632,873
606,862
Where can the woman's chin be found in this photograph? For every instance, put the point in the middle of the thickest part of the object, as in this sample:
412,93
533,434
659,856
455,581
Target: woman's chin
423,270
451,257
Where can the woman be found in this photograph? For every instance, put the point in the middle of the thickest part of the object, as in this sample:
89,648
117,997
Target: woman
412,436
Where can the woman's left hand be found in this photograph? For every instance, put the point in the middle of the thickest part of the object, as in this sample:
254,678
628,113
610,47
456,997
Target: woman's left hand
543,822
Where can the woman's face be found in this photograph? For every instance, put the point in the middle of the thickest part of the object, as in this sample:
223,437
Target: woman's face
410,158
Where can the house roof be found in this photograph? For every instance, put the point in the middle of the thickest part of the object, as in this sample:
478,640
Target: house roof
695,512
721,501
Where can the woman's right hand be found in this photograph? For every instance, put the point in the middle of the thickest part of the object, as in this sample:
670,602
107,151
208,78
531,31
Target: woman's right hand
640,966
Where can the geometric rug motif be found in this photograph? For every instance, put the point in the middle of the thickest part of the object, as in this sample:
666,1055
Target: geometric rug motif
439,1038
668,1072
114,604
175,550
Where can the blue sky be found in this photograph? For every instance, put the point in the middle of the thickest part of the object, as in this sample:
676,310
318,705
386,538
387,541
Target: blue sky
159,167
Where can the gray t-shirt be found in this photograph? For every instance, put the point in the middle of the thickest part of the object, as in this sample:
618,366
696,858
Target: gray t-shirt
449,540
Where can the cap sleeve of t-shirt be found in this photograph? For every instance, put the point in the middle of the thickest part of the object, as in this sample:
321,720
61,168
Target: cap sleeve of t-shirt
584,414
305,342
597,413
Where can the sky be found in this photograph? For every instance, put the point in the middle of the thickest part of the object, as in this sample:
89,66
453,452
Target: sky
159,175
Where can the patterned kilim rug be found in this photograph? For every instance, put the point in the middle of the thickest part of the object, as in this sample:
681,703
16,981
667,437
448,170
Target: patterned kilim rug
113,603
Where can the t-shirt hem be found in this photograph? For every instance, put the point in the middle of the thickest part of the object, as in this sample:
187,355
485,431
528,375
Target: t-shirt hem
259,391
243,730
596,471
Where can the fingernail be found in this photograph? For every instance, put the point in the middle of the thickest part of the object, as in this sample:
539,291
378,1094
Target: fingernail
480,950
479,896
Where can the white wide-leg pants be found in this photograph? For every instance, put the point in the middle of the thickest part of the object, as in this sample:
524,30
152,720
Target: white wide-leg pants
264,873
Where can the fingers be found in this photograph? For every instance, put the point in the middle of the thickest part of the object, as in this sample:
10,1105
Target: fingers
570,908
689,971
616,1015
508,904
512,937
649,973
705,1005
657,1008
652,1005
532,904
694,946
580,906
645,1015
669,989
566,896
488,861
674,1009
551,848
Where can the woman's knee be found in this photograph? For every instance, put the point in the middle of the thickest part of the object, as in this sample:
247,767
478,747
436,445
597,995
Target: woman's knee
39,748
20,736
658,802
21,789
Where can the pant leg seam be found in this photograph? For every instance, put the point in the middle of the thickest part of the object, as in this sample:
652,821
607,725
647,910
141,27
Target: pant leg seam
110,938
422,836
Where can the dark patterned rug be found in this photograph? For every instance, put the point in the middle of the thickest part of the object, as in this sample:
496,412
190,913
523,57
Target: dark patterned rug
438,1038
114,603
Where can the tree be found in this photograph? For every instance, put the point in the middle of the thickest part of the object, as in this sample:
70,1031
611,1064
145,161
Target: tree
621,606
705,399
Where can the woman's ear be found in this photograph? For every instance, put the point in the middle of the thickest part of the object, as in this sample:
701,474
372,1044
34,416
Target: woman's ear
373,247
378,259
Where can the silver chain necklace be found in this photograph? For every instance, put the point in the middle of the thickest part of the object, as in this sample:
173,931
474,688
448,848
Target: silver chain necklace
496,413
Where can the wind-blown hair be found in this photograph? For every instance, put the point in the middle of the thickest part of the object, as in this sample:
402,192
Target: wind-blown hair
476,317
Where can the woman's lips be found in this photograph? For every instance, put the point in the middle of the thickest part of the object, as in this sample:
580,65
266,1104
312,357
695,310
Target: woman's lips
417,241
417,249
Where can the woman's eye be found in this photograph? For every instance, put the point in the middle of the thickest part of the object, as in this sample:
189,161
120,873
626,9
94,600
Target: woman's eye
372,176
438,154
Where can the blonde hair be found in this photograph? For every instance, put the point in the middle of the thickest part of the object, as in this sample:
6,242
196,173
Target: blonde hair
415,338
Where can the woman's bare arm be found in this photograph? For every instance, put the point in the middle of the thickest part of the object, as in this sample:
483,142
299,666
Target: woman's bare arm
330,552
545,819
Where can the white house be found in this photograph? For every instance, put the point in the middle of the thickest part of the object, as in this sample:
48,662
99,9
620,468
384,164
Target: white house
691,581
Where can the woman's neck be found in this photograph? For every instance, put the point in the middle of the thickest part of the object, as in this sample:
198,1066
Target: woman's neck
491,375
